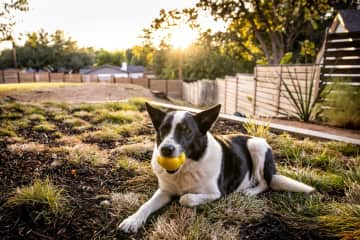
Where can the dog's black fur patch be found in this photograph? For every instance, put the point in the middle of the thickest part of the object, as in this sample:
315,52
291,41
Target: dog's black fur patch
269,166
236,162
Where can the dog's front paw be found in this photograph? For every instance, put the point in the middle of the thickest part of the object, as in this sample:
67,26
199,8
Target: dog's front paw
189,200
131,224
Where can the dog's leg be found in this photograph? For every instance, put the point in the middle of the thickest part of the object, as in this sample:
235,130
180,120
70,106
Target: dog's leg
258,149
262,186
191,200
134,222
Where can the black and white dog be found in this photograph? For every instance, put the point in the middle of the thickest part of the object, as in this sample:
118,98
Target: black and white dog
214,166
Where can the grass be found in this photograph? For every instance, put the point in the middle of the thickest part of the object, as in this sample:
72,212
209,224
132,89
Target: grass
45,127
33,86
257,130
41,192
114,141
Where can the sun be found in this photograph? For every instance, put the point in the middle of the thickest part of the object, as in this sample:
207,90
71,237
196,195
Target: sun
182,36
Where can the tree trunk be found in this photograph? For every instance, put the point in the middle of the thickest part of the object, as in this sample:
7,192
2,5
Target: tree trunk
14,53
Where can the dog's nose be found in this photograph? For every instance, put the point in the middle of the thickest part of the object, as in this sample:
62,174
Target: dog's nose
167,150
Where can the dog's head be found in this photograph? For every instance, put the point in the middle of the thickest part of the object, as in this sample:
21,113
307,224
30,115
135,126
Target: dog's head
180,132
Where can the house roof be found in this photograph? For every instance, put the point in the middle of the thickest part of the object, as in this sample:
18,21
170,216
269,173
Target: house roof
351,19
117,69
135,69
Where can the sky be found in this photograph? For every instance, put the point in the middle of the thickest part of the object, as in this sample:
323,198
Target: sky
108,24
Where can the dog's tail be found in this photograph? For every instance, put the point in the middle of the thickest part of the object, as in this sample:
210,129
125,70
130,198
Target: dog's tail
279,182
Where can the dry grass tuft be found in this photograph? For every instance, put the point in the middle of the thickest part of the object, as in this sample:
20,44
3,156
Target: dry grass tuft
86,153
184,223
125,204
27,147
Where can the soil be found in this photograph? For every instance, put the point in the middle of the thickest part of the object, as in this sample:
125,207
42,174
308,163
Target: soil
81,93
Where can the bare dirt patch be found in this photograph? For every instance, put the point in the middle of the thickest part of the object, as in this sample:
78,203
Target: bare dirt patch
87,92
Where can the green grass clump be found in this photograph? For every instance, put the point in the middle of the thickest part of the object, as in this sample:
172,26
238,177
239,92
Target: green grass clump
77,124
42,192
45,127
138,102
322,181
33,86
254,129
120,106
5,132
87,107
101,136
37,117
119,117
83,114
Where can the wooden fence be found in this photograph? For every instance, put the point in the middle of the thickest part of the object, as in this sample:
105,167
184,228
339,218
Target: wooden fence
172,88
261,94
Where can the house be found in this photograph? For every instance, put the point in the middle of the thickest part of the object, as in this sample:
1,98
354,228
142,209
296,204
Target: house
107,72
346,21
339,56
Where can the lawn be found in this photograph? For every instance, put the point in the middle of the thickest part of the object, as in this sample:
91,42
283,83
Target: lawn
75,171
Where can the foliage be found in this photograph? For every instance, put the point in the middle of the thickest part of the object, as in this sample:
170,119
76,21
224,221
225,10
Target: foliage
271,26
303,99
341,106
113,58
52,52
8,8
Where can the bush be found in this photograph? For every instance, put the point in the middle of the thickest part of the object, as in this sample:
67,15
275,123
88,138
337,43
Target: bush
342,106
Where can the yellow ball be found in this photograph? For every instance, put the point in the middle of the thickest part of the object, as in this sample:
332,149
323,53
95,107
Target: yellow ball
171,163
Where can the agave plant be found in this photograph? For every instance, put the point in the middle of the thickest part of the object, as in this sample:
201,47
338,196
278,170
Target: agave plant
302,98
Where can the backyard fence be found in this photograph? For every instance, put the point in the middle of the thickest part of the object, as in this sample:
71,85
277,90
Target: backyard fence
172,88
266,93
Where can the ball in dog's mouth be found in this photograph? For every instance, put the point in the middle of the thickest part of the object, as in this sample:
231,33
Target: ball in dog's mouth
171,164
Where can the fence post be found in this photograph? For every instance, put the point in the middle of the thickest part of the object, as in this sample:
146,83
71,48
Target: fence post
278,88
225,95
49,76
167,87
63,77
34,77
254,96
81,78
148,82
3,76
317,80
236,94
18,77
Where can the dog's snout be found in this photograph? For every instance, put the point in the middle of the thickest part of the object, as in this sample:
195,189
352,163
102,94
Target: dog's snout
167,150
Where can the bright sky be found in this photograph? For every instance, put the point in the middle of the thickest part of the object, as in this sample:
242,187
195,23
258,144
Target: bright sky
109,24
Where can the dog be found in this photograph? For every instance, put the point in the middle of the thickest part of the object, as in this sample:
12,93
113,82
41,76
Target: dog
215,165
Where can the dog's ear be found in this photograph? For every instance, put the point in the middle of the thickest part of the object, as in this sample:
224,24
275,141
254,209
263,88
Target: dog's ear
206,118
156,115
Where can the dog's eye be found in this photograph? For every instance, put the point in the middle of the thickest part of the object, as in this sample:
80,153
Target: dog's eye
184,129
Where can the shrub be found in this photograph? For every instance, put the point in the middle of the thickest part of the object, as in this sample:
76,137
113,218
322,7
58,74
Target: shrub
253,128
342,106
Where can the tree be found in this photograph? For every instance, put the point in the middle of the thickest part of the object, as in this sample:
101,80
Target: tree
52,52
272,26
7,21
113,58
